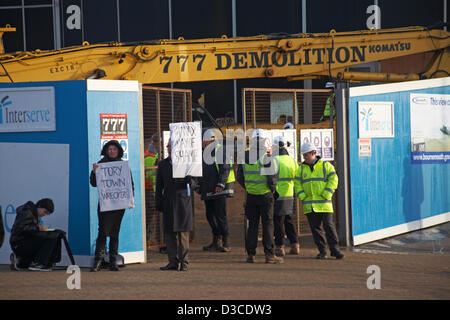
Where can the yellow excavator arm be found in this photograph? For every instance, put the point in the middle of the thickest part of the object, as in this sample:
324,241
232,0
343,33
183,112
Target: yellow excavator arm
295,56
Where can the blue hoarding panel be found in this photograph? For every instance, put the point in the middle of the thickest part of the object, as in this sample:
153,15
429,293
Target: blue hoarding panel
389,188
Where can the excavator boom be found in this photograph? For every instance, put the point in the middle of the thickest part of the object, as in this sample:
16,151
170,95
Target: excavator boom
295,56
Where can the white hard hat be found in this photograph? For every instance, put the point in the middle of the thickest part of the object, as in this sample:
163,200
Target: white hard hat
278,140
329,85
259,133
308,147
210,134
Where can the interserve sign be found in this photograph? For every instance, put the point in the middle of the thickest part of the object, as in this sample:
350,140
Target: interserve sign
27,109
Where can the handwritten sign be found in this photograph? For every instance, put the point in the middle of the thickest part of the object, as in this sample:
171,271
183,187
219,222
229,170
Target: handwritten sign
186,142
114,186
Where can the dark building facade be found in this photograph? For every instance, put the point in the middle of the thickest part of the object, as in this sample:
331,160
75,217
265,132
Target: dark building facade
52,24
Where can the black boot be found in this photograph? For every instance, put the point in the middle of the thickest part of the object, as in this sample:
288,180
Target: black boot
337,254
214,246
113,252
98,260
113,263
225,244
97,265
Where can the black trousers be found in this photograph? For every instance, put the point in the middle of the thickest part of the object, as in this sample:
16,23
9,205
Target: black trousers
108,225
216,214
259,207
44,249
283,224
177,247
316,220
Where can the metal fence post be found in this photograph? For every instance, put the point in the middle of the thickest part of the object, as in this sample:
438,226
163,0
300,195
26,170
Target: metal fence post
343,192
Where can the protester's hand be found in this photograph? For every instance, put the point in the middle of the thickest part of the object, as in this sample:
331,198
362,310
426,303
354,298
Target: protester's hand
132,206
42,228
218,189
94,166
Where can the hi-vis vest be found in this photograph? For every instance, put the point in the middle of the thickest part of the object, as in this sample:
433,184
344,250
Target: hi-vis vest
150,174
255,182
326,111
231,177
287,169
316,188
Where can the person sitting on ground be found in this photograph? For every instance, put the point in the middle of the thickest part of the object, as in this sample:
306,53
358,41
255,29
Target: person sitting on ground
34,248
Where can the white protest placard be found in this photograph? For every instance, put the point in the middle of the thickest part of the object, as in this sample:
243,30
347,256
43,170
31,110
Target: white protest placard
114,186
186,142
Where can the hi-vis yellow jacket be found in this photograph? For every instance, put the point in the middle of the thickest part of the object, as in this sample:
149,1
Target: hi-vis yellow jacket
316,188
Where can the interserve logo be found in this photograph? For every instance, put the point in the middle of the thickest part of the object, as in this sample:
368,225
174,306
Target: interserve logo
366,114
3,103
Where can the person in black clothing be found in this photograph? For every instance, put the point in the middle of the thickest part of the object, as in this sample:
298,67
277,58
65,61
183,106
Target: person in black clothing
174,201
29,240
216,180
108,221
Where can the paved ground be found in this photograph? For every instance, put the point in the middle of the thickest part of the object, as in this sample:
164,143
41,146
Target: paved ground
412,266
415,269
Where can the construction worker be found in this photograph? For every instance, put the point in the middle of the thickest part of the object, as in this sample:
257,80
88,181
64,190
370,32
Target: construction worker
315,183
284,204
216,185
258,176
289,123
150,160
329,104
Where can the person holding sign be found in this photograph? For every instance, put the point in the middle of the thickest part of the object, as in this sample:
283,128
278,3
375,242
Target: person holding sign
315,183
108,221
173,200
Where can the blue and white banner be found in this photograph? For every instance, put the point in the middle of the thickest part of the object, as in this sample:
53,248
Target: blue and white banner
430,128
27,109
30,172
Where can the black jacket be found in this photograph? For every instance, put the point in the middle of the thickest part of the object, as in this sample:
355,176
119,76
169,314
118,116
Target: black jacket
172,199
213,178
26,223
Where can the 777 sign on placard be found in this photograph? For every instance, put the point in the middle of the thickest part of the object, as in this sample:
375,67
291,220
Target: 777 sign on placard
114,126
